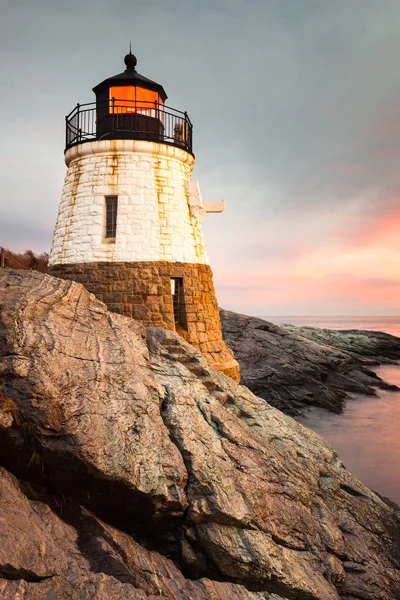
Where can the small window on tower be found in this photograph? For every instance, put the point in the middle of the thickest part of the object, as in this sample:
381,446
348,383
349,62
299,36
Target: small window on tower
178,301
111,216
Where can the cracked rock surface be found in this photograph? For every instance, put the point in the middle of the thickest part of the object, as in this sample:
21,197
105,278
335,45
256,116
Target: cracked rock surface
130,469
294,367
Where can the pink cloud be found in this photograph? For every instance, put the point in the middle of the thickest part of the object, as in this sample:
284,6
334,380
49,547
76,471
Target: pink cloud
352,261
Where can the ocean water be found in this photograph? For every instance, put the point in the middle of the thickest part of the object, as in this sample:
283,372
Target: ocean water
366,435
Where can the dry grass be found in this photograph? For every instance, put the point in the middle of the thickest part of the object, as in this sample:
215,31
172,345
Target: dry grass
28,260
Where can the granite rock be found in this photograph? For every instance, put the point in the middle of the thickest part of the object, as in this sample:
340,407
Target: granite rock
369,347
296,367
143,473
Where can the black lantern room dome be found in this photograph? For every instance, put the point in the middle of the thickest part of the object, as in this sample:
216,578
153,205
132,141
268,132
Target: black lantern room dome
129,106
131,77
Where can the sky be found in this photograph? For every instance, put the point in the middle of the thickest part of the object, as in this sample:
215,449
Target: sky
296,113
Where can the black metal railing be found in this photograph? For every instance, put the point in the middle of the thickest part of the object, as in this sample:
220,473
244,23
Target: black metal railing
124,119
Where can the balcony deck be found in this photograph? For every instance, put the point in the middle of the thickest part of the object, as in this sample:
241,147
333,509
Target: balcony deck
121,119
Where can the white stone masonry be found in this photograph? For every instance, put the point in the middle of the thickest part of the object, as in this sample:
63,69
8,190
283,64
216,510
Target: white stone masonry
154,220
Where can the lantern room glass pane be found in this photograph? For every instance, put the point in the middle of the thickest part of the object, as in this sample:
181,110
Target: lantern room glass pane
133,99
122,99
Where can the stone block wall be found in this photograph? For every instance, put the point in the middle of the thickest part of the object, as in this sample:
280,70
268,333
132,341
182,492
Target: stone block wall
154,222
142,290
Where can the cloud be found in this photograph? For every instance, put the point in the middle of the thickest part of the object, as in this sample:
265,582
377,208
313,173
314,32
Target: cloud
296,126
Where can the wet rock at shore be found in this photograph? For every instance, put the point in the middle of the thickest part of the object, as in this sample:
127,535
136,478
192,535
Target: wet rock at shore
130,469
295,367
368,347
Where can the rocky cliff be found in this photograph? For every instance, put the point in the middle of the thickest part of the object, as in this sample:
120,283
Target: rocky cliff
131,470
295,367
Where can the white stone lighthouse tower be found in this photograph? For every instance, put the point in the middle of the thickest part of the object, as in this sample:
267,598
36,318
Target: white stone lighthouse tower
129,222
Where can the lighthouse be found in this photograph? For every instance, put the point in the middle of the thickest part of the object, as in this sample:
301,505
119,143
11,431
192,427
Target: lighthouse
129,220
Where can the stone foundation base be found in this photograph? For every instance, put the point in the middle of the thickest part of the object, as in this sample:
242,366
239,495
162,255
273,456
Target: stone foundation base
142,290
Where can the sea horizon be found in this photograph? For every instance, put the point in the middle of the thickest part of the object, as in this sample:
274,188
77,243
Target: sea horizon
387,324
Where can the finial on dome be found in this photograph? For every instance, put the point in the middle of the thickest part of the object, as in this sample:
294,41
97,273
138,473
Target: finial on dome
130,59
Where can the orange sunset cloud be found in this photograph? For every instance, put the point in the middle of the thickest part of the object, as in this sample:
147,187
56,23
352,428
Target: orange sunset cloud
330,269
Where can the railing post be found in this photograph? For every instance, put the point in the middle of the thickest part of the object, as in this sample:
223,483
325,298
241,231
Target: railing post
78,123
2,258
186,131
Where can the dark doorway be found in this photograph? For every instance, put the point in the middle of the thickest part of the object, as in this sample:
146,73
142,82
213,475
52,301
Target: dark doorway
178,301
